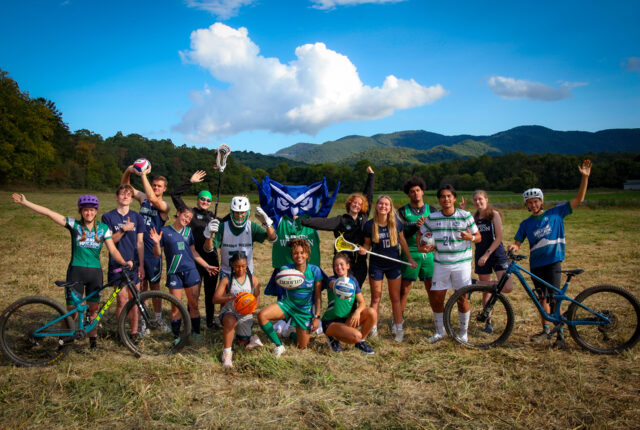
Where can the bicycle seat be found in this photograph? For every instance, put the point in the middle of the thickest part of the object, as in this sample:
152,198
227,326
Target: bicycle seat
69,284
572,272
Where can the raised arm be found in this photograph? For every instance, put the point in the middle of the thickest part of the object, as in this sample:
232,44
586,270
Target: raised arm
157,202
126,180
55,217
585,171
368,188
320,223
176,196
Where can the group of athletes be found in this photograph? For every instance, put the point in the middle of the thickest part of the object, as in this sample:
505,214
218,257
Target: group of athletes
415,242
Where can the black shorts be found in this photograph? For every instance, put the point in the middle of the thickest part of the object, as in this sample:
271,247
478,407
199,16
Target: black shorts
551,274
496,262
327,323
90,279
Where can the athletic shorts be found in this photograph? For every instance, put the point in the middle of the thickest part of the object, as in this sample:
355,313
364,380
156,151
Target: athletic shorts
327,323
91,279
113,277
152,268
377,274
451,276
551,274
497,261
244,323
297,317
424,271
185,279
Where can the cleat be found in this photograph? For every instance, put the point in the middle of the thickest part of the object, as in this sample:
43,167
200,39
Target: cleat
540,337
436,337
278,351
197,337
161,325
560,343
334,344
142,327
254,342
366,349
226,359
463,337
399,335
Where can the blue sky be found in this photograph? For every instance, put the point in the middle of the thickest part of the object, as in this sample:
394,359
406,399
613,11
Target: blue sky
261,75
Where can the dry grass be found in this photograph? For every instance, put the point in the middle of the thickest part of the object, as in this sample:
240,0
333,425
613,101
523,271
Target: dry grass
408,385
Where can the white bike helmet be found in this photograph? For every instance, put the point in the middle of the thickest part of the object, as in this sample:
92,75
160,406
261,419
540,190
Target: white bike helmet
533,193
240,206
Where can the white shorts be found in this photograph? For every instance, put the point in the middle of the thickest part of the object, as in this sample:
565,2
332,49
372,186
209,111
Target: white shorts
451,276
244,323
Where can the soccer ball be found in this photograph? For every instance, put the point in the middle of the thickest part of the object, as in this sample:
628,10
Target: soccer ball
344,287
141,164
427,239
290,279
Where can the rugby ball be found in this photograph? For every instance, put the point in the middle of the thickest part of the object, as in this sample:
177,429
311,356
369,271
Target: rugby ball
290,279
344,287
427,239
141,164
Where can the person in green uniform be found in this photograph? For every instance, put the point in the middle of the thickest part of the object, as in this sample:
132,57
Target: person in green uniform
87,237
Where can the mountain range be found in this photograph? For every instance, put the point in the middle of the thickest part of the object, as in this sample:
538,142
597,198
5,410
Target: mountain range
419,146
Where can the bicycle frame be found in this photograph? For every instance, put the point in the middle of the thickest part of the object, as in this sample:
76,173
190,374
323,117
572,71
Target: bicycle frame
81,309
559,296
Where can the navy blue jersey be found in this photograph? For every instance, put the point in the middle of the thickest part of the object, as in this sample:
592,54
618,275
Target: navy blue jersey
127,244
177,249
152,219
383,246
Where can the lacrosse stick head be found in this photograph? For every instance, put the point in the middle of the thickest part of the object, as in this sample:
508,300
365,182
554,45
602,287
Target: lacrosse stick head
221,159
342,244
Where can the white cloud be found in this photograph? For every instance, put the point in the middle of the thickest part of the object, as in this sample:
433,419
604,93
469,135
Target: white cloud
632,64
319,88
223,9
332,4
510,88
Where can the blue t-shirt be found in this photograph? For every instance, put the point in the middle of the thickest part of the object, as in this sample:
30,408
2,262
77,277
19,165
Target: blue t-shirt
302,297
127,244
152,219
177,249
383,246
545,233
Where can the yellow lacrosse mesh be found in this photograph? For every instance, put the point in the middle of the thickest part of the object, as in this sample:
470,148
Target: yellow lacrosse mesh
342,244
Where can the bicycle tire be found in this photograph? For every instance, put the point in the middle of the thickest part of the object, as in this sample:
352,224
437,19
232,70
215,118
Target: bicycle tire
620,306
20,319
159,339
502,318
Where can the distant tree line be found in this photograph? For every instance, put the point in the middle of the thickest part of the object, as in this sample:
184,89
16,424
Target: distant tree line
37,148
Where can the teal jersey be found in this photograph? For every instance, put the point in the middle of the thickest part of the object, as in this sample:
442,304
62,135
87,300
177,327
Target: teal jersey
302,297
293,229
410,217
339,307
86,253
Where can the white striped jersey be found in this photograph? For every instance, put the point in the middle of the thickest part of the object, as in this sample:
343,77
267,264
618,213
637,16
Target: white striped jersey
450,248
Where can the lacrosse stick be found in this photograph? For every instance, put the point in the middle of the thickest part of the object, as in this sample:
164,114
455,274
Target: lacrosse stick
343,244
221,164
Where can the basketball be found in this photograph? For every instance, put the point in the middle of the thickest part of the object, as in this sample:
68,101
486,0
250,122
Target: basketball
141,164
245,303
344,287
289,279
427,239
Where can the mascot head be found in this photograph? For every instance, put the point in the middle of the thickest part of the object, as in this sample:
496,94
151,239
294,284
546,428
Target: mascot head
279,200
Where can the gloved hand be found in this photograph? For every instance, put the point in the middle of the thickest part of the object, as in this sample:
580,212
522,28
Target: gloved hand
211,228
262,217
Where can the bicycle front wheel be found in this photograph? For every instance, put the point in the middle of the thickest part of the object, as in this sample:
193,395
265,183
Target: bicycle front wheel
486,328
18,324
157,337
592,332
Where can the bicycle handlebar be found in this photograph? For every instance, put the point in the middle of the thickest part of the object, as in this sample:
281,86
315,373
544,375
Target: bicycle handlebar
516,257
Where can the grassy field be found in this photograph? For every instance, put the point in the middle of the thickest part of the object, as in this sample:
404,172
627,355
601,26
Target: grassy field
409,385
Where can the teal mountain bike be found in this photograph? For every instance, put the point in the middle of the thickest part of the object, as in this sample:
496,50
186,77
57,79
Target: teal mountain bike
39,331
604,319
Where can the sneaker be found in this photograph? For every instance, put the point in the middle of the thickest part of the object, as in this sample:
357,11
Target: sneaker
488,328
176,341
197,337
399,335
162,326
142,327
393,326
560,343
334,344
436,337
93,343
254,342
278,351
463,337
366,349
540,337
226,358
374,332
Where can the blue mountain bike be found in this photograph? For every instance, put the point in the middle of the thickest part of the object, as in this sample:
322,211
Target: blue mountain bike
604,319
38,331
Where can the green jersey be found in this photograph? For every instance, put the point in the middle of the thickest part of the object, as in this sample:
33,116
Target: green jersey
293,229
339,307
410,217
86,253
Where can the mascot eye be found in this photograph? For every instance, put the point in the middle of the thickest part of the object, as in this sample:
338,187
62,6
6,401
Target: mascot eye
282,204
306,204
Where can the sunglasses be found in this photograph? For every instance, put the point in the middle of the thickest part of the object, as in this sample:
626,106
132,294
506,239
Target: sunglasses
204,199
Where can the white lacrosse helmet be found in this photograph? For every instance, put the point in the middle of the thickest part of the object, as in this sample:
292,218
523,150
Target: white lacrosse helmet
240,207
533,193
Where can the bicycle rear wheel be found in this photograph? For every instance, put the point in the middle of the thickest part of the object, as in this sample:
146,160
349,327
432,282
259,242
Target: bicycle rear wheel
159,338
619,306
500,317
19,322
